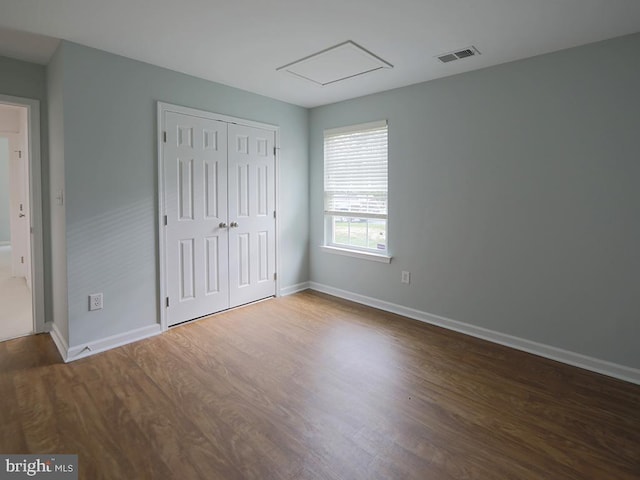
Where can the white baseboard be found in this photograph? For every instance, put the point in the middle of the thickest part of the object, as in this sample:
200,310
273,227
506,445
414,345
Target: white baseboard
291,289
60,342
610,369
69,354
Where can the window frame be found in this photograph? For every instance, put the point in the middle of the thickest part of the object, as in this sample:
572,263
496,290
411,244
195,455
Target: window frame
330,246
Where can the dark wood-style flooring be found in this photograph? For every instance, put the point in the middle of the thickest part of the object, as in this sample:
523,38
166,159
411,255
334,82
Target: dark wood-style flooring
310,387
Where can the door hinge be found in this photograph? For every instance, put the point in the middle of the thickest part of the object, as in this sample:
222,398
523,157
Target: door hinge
165,220
274,151
167,302
164,137
274,214
275,276
20,207
21,259
19,153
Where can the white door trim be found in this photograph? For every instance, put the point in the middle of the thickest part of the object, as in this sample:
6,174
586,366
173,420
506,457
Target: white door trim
163,107
35,193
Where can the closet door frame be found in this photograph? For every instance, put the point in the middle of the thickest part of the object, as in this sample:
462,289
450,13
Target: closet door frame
162,108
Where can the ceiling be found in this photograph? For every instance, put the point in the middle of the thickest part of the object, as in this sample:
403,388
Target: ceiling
242,42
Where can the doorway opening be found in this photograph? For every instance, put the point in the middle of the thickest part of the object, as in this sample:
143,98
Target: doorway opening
21,272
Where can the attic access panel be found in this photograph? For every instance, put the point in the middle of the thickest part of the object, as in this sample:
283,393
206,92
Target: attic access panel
334,64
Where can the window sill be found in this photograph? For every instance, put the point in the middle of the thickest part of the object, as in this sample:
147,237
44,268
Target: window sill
375,257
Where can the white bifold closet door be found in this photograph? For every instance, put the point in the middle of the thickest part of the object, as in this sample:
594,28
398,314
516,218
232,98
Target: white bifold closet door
219,198
252,248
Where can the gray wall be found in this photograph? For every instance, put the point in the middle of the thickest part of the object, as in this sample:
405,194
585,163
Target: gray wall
28,80
5,230
55,95
110,178
514,199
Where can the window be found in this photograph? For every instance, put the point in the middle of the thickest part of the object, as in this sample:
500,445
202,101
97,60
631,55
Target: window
355,188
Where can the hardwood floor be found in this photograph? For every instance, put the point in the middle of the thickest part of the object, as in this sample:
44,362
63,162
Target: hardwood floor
311,387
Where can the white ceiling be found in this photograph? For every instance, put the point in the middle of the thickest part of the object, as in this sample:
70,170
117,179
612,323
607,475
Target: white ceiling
26,46
242,42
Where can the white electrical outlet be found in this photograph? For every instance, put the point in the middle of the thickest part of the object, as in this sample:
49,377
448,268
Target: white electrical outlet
95,301
406,277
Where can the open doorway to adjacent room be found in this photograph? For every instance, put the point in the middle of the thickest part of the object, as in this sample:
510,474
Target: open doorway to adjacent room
19,280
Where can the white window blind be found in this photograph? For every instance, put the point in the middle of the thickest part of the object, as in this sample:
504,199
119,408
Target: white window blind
355,170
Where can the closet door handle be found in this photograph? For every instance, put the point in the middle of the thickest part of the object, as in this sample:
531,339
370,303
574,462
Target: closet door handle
222,225
233,224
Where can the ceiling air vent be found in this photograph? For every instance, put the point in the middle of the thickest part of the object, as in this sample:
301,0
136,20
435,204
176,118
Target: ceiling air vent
458,54
449,57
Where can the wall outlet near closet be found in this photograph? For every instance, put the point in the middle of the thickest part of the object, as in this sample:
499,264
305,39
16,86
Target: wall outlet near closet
95,301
